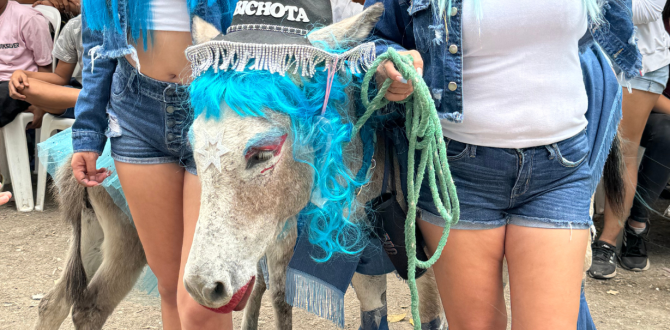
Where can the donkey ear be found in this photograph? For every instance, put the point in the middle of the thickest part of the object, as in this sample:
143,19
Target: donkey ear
350,31
203,31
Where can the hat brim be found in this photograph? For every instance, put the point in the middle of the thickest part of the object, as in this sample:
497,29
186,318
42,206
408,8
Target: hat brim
223,54
265,37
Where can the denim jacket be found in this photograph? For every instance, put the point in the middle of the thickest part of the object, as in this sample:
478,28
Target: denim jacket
410,24
103,49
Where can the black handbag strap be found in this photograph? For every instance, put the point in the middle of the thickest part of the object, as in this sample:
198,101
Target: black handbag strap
389,167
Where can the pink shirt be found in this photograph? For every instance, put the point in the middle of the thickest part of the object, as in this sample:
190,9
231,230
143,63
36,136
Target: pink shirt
25,40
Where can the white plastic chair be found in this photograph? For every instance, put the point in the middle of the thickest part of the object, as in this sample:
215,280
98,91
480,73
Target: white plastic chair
49,125
18,163
53,16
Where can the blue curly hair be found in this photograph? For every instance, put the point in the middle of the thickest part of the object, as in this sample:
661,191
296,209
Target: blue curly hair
318,141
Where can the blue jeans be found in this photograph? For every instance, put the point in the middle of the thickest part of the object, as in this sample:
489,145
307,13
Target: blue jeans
653,82
148,120
543,187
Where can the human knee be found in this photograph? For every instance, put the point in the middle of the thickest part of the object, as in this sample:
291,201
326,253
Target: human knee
168,291
192,315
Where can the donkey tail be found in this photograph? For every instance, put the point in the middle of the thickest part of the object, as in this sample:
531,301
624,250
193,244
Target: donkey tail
72,200
613,177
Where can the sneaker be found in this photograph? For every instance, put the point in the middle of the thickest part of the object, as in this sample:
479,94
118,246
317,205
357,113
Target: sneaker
634,249
603,265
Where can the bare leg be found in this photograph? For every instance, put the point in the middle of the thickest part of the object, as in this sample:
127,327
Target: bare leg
546,267
154,194
636,109
193,315
468,276
662,105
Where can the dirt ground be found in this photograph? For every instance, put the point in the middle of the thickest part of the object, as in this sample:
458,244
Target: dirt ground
33,245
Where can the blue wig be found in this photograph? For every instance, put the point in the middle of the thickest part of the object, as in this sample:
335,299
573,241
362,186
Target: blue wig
318,141
103,15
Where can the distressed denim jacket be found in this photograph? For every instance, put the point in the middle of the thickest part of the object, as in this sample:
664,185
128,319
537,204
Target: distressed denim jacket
410,24
103,50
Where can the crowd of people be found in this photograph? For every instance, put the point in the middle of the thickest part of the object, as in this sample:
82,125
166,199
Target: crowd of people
512,93
27,81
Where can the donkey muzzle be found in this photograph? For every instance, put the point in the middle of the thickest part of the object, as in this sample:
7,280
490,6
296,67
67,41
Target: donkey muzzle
218,296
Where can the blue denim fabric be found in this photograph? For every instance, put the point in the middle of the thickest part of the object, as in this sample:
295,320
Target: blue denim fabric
103,49
604,108
584,320
149,120
410,24
653,82
543,187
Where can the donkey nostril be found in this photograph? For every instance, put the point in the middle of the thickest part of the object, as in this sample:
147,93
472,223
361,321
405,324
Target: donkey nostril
215,292
218,290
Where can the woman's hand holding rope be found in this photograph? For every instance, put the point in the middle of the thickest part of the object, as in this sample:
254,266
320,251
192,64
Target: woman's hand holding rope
400,89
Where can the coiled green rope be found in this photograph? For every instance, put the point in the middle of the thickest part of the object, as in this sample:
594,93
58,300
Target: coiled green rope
423,128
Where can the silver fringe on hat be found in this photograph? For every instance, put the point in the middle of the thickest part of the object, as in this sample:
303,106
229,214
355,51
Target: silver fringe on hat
225,55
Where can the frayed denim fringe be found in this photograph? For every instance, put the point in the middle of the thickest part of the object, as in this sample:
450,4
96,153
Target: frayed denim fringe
315,296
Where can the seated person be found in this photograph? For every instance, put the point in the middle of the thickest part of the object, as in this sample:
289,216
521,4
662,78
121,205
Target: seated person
49,92
4,196
68,8
25,44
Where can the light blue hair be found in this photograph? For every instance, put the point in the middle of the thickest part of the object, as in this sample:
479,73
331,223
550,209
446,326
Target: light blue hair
103,15
318,141
440,6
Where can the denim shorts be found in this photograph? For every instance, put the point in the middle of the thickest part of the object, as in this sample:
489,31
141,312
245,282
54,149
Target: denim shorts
653,82
148,120
543,187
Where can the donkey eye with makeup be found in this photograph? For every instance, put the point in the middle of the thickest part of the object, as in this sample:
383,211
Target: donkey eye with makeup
259,157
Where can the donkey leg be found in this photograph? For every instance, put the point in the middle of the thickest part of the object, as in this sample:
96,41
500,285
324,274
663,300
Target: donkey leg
253,309
371,292
55,306
430,305
278,256
123,260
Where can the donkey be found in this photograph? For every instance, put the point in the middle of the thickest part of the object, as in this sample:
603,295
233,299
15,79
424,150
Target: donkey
262,176
108,248
237,225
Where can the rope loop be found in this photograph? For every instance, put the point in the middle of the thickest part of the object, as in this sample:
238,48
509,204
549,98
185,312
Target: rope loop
422,126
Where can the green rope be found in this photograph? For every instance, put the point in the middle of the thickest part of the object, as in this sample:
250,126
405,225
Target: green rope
422,126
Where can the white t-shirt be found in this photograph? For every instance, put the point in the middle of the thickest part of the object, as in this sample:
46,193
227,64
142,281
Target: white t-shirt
344,9
69,47
653,40
522,79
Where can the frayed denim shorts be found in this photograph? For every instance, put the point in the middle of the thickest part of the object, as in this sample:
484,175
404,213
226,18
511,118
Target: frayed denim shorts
148,120
653,82
543,187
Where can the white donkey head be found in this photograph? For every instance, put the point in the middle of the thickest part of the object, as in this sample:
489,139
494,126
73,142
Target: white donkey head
258,170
